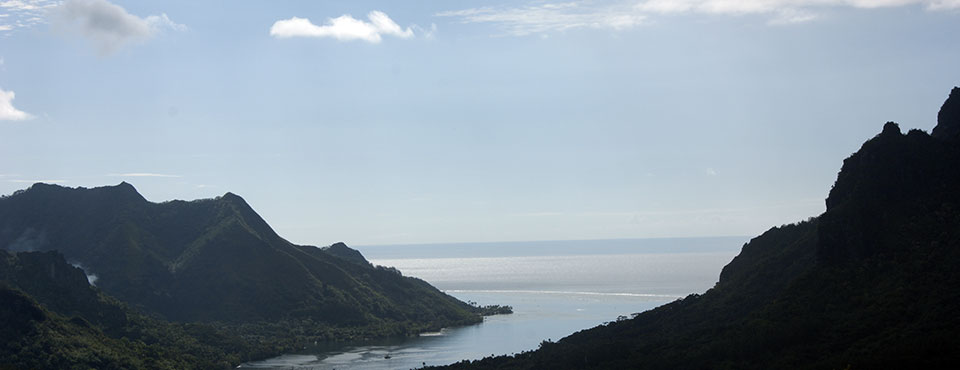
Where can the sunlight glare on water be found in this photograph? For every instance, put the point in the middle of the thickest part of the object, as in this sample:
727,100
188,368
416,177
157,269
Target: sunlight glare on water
552,297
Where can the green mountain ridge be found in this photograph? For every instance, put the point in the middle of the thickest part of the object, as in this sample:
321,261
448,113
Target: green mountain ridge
51,318
213,260
869,284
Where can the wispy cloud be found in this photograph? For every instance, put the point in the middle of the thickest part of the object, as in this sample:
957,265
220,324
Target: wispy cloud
343,28
143,174
546,17
108,26
16,14
7,111
552,17
943,4
782,11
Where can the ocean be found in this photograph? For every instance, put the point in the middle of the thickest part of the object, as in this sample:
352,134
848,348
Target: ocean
555,288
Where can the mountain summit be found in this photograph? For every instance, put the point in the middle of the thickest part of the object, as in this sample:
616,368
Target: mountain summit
869,284
948,120
213,260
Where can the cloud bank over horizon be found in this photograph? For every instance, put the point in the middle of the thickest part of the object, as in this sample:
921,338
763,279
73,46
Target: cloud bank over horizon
343,28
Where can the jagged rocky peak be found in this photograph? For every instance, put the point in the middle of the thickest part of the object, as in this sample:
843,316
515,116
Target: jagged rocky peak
124,190
126,187
948,120
238,202
232,197
891,128
889,180
340,249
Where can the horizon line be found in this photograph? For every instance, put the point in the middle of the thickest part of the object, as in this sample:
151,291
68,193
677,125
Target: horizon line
544,240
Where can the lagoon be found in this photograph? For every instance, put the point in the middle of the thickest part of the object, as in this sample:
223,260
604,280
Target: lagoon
552,295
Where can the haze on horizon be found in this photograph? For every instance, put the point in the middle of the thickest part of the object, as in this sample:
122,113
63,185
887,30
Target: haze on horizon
378,122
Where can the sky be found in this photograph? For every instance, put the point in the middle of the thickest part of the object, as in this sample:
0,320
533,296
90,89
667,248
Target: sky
395,122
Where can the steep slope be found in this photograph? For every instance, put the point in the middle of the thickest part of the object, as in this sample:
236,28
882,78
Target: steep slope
341,250
213,260
51,318
871,283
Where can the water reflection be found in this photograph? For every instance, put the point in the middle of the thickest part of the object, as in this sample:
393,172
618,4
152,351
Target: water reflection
552,297
538,316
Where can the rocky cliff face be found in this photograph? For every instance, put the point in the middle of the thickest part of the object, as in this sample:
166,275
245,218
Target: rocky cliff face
896,185
870,283
948,119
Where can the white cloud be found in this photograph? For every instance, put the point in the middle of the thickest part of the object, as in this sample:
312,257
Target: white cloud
108,26
666,6
159,22
783,11
7,110
16,14
343,28
791,16
141,174
15,5
542,18
428,33
91,278
552,17
943,4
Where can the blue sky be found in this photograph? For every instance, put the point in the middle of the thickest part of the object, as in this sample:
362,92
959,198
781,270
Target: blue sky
461,121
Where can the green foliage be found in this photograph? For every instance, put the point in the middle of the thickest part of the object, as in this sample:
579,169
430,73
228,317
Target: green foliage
493,309
52,319
209,260
242,292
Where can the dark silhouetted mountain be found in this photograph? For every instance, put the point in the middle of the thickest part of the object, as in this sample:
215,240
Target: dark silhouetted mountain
948,120
343,251
869,284
60,287
213,260
51,318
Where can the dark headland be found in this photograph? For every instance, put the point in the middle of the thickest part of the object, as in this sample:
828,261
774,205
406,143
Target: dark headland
872,283
185,285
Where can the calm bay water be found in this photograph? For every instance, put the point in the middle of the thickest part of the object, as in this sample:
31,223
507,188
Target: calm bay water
552,295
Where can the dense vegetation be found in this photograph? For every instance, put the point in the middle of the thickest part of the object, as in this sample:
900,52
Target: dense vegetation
52,319
213,260
198,285
871,283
